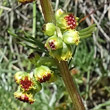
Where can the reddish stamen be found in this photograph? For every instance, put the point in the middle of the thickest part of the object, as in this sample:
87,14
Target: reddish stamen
70,19
45,78
52,45
26,83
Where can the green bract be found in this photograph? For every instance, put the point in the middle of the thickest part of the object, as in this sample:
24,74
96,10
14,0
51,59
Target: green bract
33,58
36,87
46,61
66,52
62,54
49,29
54,43
58,13
71,37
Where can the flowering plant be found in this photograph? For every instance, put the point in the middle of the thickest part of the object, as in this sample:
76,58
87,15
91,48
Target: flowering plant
62,34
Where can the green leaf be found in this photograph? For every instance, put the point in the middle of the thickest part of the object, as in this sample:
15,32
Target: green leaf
87,32
46,61
31,40
85,36
86,29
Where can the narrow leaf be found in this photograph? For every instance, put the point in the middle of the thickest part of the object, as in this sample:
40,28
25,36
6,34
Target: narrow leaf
30,40
85,36
87,32
88,28
91,30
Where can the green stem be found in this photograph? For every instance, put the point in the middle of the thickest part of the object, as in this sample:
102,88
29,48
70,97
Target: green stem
47,10
87,86
71,86
63,66
34,19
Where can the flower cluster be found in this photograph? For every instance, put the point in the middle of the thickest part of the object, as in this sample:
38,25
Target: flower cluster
30,83
62,35
28,86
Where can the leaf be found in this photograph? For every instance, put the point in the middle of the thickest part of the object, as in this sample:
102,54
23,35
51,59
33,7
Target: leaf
46,61
85,36
31,40
87,32
86,29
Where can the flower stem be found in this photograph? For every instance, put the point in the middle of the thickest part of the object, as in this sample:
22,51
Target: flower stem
47,10
63,66
71,86
34,19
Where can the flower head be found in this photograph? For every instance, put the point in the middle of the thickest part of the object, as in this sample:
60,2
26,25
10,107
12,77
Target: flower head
54,43
42,74
25,97
71,21
67,21
26,83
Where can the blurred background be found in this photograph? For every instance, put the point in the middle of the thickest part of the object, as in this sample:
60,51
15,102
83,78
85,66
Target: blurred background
91,61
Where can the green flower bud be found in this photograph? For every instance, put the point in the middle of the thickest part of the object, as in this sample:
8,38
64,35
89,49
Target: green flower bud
58,13
67,21
54,43
49,29
71,37
43,74
25,97
62,54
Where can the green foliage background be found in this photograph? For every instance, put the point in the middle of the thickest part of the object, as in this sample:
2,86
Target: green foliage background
91,60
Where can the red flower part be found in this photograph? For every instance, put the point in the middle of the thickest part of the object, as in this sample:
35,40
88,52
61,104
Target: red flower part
45,78
24,97
71,21
43,74
52,44
26,83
